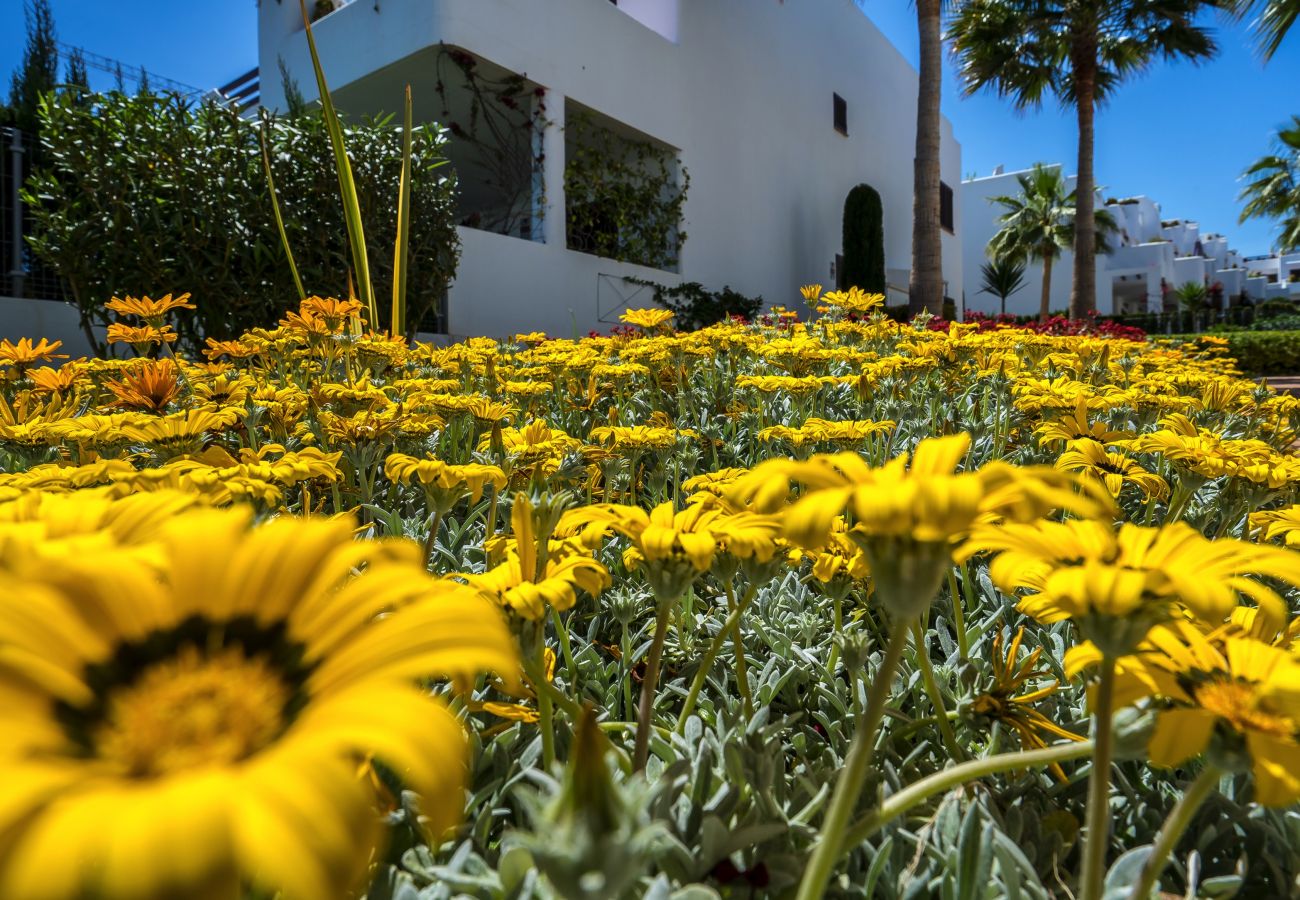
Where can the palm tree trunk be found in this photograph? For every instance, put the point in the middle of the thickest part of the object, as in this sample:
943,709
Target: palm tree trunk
1045,300
1083,293
925,288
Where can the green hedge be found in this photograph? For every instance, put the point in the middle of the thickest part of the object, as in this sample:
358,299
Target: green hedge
151,194
1259,352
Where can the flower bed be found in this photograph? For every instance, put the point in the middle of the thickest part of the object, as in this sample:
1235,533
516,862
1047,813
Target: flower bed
776,609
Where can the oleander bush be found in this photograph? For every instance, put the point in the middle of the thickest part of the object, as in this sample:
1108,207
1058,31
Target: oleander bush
153,189
842,607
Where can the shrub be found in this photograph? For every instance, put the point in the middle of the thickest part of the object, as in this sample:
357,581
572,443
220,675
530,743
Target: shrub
153,194
1261,352
864,240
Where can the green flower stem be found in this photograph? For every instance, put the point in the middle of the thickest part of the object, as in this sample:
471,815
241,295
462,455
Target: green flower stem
625,663
955,776
545,709
849,787
946,733
430,543
566,647
1097,834
837,625
742,667
642,747
1179,818
958,614
715,647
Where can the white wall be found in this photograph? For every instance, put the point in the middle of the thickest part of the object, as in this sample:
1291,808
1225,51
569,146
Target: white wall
36,319
745,94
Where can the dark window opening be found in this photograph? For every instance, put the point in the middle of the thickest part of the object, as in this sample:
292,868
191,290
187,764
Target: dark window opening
841,115
945,208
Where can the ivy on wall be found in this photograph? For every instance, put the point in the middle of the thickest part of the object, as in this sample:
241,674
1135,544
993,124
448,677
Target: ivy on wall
502,131
623,196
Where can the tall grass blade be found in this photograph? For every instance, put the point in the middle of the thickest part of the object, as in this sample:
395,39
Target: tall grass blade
275,207
347,187
398,324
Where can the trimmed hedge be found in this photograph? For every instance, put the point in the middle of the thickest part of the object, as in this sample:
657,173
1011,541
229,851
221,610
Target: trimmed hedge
1259,352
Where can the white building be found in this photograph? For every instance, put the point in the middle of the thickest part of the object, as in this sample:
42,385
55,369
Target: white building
776,111
1151,256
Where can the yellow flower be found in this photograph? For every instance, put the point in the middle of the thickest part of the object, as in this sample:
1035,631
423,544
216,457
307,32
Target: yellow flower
1000,702
51,381
811,293
1117,584
1065,429
24,353
332,311
151,311
151,385
854,300
444,482
173,733
140,335
181,433
1236,697
1112,469
905,519
649,319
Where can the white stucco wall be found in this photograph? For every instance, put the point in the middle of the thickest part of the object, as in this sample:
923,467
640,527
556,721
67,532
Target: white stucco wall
36,319
744,94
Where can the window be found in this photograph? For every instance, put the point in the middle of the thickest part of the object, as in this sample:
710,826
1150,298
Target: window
841,115
945,208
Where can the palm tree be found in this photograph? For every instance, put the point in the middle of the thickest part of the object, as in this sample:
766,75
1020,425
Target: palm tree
1040,222
1272,190
925,284
1273,22
1193,296
1002,277
1078,51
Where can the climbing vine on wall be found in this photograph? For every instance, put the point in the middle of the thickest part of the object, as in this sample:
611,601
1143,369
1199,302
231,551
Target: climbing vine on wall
623,196
499,137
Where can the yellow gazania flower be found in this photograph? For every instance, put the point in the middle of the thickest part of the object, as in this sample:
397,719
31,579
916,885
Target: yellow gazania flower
819,431
649,319
151,311
25,353
1000,702
52,381
444,482
906,519
535,443
1235,696
223,390
1117,584
332,311
29,419
811,293
854,300
1112,469
180,732
1065,429
140,335
151,385
629,438
1278,523
840,560
181,433
673,547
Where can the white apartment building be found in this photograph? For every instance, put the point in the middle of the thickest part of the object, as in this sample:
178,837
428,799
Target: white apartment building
776,110
1151,255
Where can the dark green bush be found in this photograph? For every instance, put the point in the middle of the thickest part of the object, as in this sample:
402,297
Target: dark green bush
151,194
864,240
1261,352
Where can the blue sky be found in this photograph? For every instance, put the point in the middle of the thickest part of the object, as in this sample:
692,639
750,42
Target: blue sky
1181,134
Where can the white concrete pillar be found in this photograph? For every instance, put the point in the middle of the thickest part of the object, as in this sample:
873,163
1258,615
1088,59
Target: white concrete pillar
548,197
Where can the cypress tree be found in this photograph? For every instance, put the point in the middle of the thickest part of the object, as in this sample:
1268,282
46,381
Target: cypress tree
39,71
864,240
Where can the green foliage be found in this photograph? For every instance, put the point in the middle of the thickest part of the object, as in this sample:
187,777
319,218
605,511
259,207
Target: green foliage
39,71
1272,189
150,194
623,196
864,240
695,306
1262,352
1002,278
